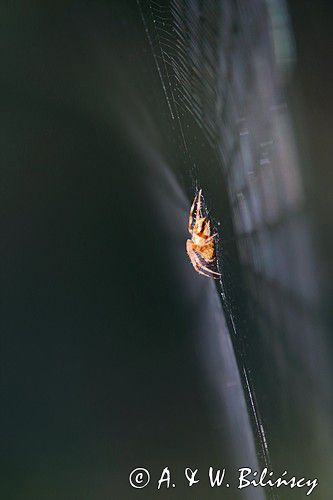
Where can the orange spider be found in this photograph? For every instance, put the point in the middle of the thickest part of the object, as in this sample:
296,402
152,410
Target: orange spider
200,247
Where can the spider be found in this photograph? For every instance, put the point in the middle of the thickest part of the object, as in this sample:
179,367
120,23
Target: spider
200,247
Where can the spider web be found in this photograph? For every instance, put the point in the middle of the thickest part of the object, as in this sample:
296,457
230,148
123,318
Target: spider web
185,54
225,64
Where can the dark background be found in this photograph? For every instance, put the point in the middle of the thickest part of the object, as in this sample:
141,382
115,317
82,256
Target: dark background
115,354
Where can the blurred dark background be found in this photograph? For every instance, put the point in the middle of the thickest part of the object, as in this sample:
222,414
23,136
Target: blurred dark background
115,353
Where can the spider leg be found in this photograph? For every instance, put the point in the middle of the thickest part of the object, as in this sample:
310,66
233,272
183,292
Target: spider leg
195,262
197,268
198,212
190,220
204,267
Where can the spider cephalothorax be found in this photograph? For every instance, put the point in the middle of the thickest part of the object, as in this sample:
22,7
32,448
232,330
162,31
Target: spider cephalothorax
200,247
